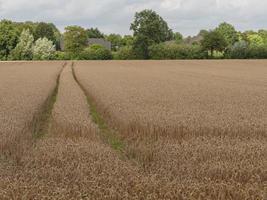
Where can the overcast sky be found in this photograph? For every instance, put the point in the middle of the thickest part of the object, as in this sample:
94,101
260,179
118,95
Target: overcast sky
115,16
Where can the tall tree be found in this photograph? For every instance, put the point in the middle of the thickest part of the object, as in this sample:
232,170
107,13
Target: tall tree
75,40
31,26
127,40
149,28
8,38
57,35
202,32
116,41
94,33
228,32
178,37
255,40
213,41
44,30
263,34
245,35
23,50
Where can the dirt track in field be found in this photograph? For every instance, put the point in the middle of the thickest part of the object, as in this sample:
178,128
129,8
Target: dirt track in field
71,111
189,129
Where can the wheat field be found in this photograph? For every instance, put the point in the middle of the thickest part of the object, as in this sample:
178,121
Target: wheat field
133,130
24,87
221,95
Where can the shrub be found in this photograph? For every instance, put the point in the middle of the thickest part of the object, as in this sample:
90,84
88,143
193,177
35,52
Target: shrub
2,56
157,52
96,52
257,52
125,53
43,49
60,55
242,50
176,51
238,51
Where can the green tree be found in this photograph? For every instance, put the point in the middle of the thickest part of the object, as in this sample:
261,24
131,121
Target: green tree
149,28
116,41
75,40
202,32
94,33
255,40
240,36
8,38
245,35
57,35
178,37
213,41
44,30
31,26
23,50
228,32
127,40
263,34
43,49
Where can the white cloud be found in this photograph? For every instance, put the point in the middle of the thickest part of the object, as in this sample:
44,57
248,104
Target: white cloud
170,4
186,16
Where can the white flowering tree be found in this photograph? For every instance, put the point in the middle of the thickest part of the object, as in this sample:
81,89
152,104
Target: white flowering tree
43,49
23,50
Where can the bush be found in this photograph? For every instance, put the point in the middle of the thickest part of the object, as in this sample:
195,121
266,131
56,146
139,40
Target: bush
2,56
176,51
158,52
60,55
96,52
43,49
257,52
242,50
196,52
238,51
125,53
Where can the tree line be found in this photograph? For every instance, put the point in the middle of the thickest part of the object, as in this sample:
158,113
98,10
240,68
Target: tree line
152,39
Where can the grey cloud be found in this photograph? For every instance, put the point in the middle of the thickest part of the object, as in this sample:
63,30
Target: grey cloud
185,16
